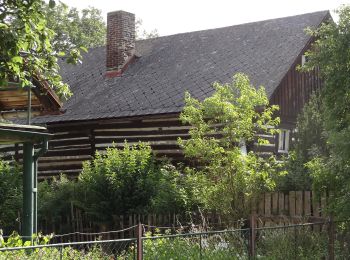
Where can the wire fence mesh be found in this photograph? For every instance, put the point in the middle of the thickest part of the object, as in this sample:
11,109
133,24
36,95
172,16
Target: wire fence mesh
205,245
293,242
326,240
107,249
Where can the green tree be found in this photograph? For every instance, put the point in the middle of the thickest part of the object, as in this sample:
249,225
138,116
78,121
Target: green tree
234,114
330,53
74,28
25,45
82,28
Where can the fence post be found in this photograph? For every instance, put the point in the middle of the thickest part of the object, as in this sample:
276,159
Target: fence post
331,238
200,246
295,242
139,242
61,252
252,235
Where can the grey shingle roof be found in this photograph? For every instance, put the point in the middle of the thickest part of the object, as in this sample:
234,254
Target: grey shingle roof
171,65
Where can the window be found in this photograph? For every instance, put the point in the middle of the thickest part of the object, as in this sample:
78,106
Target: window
283,141
304,59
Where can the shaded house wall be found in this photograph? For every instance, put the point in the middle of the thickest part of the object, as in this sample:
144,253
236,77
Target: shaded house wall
75,142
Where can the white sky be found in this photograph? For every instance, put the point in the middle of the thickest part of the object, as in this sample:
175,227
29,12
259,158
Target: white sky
176,16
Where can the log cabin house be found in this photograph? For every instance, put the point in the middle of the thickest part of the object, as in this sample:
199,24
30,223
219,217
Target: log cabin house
134,90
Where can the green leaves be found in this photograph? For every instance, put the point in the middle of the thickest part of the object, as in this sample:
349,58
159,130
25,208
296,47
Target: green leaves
10,196
75,30
25,45
233,115
329,163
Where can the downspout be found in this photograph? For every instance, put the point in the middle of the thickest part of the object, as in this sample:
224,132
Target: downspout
40,152
29,106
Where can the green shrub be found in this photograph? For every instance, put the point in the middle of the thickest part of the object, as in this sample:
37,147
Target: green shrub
128,181
217,246
91,251
117,182
56,198
10,196
178,190
292,243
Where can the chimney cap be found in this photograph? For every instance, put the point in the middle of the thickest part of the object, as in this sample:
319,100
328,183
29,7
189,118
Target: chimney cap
118,12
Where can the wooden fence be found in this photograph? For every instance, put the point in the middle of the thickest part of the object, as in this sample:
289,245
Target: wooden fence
280,208
272,209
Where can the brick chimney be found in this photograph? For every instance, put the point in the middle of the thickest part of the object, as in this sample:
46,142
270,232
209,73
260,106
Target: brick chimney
120,42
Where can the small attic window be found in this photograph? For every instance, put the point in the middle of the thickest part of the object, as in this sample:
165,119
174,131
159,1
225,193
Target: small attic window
304,59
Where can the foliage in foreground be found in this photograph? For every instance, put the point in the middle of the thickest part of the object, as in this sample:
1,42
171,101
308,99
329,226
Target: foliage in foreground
330,53
235,115
26,49
119,181
106,251
10,196
301,242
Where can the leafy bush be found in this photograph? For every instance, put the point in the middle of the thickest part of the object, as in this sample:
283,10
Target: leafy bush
192,246
292,243
129,180
88,251
10,196
117,182
55,199
178,190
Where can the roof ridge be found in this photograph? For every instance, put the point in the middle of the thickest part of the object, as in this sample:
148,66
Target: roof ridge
224,27
240,24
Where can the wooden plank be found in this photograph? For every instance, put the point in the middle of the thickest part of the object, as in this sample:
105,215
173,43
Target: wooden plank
298,203
69,142
58,166
307,203
281,208
267,204
275,203
323,205
124,125
70,152
292,203
316,211
145,132
99,140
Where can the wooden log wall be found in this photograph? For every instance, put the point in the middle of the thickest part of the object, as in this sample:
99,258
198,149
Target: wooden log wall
76,142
